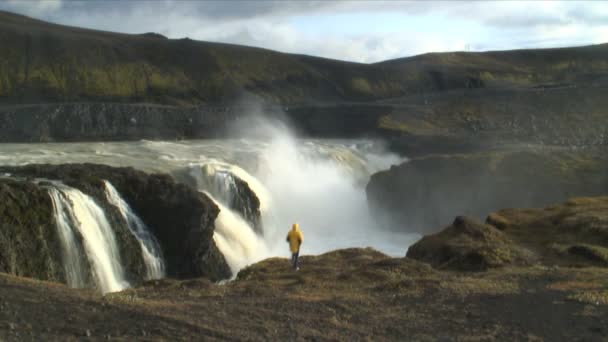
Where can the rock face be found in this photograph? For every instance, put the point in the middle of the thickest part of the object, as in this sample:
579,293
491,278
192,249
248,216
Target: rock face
572,234
425,193
29,245
123,121
180,218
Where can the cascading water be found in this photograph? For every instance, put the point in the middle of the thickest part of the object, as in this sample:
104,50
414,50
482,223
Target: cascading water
217,178
319,184
151,252
236,239
73,266
77,212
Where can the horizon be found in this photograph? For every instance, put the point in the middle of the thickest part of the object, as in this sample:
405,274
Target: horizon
394,29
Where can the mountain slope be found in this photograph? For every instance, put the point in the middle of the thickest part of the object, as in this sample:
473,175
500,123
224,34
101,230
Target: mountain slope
41,61
48,62
438,102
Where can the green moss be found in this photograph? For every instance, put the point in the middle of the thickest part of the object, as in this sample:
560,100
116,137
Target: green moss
361,85
591,297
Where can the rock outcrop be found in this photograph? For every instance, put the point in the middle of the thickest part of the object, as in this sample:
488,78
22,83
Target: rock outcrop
181,219
427,192
572,234
29,245
469,245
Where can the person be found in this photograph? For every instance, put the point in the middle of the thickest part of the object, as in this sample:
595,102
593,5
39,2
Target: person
295,239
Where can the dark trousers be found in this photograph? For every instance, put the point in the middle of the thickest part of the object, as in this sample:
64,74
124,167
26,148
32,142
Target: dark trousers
294,259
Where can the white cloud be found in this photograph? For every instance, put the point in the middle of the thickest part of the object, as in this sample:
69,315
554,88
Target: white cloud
34,8
447,26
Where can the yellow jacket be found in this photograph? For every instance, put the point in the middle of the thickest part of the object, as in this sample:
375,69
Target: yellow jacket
295,238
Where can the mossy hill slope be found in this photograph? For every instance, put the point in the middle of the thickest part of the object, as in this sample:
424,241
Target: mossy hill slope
41,62
46,62
61,83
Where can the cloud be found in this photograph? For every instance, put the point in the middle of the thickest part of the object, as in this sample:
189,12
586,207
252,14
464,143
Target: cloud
33,8
364,31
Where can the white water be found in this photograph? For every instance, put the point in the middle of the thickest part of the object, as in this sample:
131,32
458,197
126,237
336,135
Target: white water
72,262
212,177
77,211
151,252
317,183
236,239
324,193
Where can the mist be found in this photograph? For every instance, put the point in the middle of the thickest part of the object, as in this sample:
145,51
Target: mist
318,184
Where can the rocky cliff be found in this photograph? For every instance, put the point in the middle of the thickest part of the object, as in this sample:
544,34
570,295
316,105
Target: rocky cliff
427,192
181,219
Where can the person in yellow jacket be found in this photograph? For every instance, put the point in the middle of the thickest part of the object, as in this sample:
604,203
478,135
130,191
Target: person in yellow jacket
295,239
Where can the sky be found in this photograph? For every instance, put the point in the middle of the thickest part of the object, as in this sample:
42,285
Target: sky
360,31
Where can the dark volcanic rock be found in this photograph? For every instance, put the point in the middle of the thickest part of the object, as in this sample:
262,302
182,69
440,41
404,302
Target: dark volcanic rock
29,245
124,121
182,219
425,193
469,245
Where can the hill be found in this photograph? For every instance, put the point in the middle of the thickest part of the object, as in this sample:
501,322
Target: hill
437,101
48,62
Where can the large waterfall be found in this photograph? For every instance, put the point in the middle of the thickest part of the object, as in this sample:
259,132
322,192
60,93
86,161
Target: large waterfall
319,184
77,213
151,252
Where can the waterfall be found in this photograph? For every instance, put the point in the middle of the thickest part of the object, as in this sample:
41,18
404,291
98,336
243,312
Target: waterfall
234,188
75,271
236,239
218,179
151,252
77,213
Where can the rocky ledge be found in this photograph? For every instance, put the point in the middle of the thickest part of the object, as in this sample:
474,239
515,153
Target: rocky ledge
524,274
181,219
